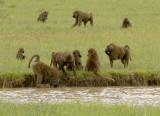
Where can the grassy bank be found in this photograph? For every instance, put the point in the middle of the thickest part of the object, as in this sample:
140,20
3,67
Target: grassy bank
19,28
76,109
85,79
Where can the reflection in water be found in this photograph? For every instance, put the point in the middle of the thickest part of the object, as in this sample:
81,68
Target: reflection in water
108,95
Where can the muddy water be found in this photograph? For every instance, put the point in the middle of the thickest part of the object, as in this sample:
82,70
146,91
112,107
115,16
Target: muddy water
108,95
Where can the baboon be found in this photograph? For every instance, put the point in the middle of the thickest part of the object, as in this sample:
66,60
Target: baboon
64,58
116,52
45,74
81,16
126,23
20,54
43,17
93,64
78,61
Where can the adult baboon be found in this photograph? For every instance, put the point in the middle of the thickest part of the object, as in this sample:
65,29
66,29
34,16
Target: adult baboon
64,58
81,16
43,17
116,52
20,54
78,61
126,23
93,64
45,74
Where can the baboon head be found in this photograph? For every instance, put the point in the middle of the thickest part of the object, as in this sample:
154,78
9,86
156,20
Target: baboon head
75,14
77,53
126,19
21,50
92,52
109,49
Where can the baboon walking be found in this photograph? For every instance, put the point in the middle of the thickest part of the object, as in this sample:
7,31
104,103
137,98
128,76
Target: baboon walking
116,52
61,59
43,17
44,72
81,16
20,55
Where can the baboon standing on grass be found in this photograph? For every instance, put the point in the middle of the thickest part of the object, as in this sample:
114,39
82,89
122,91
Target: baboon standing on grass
64,58
126,23
81,16
44,72
116,52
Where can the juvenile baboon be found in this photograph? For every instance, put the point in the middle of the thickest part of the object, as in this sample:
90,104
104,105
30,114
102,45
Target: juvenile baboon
116,52
78,61
93,64
126,23
43,17
64,58
45,74
81,16
20,54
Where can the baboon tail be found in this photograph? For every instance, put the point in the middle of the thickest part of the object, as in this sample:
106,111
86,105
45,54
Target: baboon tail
37,56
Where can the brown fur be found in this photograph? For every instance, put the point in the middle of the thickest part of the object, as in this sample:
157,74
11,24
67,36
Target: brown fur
62,59
81,16
116,52
93,64
43,17
44,72
20,55
126,23
78,61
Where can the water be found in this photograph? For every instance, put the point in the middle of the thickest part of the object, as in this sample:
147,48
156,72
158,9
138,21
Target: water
106,95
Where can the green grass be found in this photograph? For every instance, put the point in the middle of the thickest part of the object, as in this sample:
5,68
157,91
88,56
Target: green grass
19,28
76,109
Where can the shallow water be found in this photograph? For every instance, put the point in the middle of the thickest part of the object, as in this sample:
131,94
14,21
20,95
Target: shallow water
107,95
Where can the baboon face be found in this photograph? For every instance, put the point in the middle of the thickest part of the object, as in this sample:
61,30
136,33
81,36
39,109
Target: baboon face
75,14
21,50
77,53
109,49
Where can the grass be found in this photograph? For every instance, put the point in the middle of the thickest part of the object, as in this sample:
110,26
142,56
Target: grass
19,28
76,109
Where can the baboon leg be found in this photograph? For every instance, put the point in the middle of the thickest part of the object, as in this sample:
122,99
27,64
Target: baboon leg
126,63
73,69
85,24
79,21
111,63
76,23
39,79
91,21
61,67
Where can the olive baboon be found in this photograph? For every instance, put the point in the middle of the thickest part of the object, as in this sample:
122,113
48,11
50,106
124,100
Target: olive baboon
81,16
78,61
43,17
20,54
116,52
126,23
45,74
93,64
62,59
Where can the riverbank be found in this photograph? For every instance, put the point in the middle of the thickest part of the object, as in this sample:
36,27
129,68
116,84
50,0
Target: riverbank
76,109
85,79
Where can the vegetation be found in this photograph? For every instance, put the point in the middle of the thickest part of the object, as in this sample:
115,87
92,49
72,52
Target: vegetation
19,28
76,109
